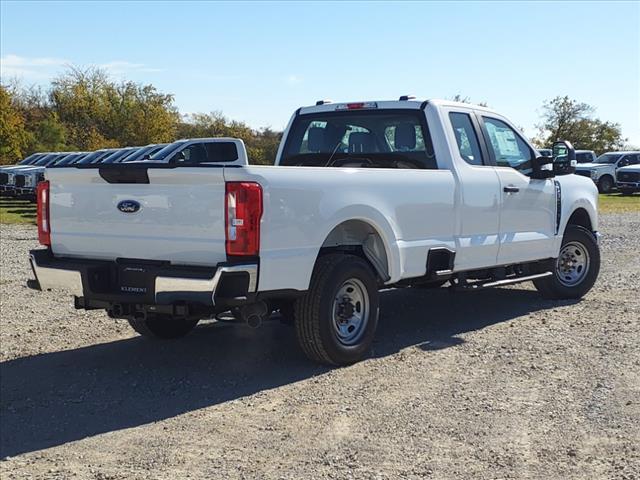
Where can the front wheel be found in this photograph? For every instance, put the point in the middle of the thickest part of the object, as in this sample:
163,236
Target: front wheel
605,184
336,319
576,269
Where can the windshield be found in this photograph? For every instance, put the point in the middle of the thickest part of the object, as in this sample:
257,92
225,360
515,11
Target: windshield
167,151
93,156
137,154
73,158
116,157
112,154
359,138
30,159
48,159
608,158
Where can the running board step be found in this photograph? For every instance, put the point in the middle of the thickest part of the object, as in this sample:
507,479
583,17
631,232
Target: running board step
500,283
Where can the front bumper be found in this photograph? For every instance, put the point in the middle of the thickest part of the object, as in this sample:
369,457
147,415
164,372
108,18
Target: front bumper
628,185
25,192
98,283
8,190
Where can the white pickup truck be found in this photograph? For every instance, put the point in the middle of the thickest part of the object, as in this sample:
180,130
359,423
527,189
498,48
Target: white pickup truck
603,170
362,196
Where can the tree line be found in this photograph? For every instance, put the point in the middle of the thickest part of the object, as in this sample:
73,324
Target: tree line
85,109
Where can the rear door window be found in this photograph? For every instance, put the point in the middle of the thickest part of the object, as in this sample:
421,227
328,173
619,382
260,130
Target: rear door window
466,138
207,152
221,152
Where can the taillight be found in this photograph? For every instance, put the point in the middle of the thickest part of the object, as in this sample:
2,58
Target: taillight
44,222
243,203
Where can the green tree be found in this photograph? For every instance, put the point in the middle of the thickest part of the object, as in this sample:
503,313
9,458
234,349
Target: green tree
99,112
50,135
14,137
464,99
566,119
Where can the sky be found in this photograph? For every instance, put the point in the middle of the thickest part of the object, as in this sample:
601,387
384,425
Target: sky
259,61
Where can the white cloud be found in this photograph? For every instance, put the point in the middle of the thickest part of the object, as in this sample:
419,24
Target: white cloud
293,79
32,68
45,68
121,67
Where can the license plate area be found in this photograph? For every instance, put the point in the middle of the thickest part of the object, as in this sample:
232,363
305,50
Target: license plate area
136,280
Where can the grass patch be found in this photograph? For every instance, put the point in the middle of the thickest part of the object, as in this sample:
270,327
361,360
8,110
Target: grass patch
618,203
14,211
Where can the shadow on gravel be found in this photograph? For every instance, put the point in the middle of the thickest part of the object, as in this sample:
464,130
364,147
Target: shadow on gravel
59,397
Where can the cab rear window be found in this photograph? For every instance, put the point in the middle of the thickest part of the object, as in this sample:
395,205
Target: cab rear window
360,138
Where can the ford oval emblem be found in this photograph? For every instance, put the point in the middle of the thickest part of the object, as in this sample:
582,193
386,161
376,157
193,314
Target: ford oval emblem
128,206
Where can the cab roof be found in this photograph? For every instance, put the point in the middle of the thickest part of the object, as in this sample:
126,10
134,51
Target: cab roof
410,104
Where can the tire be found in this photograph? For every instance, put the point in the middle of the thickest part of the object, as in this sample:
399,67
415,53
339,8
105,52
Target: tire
605,184
162,327
576,268
327,328
627,191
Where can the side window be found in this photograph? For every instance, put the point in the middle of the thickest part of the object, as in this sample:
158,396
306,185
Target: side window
509,149
194,153
624,161
221,151
466,138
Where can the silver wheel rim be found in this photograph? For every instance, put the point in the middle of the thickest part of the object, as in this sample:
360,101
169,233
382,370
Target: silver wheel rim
573,264
350,312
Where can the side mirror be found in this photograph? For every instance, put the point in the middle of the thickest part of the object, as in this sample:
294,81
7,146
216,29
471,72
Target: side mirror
146,157
542,167
564,158
178,157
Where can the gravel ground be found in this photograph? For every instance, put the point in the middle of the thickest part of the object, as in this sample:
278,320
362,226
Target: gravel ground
494,384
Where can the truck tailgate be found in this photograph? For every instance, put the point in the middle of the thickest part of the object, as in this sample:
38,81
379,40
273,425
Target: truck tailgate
179,217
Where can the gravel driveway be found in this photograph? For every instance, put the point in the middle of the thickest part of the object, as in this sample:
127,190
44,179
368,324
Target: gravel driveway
494,384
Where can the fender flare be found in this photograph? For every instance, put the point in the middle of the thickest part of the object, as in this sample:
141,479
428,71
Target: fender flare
381,224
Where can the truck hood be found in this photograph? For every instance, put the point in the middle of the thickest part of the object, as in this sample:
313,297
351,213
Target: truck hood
20,169
591,166
29,171
12,168
630,168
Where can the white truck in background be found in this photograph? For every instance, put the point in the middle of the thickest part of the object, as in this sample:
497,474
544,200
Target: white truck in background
362,196
628,178
603,170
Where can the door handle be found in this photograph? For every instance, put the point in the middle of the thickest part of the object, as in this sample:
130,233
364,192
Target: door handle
511,189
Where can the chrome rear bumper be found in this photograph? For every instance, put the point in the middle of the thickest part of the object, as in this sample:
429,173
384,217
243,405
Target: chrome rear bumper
166,284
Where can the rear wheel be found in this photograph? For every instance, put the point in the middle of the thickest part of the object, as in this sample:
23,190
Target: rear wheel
162,326
336,319
576,269
605,184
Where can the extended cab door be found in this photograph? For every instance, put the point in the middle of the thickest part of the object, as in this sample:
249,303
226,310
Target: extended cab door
527,205
478,195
